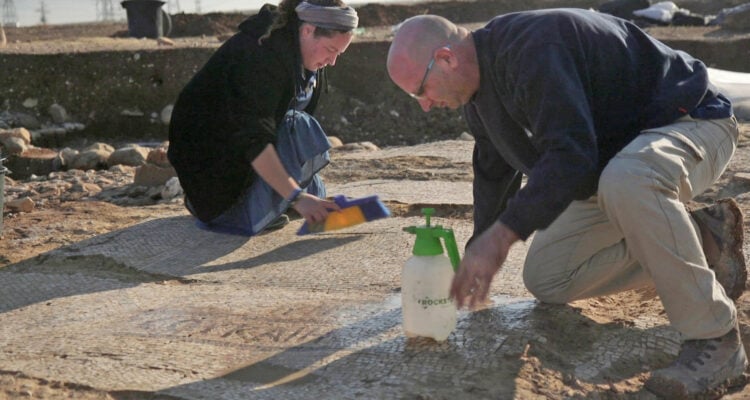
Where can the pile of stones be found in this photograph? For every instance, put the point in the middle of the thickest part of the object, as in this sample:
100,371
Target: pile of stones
131,174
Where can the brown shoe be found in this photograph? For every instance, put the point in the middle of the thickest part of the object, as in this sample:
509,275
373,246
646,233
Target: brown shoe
721,230
704,369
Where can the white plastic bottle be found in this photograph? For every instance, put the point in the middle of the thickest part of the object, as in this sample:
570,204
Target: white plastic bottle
425,282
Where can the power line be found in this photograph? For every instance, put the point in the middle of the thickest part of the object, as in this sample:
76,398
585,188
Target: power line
10,17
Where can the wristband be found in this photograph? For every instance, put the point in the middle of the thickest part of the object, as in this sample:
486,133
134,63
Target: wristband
294,196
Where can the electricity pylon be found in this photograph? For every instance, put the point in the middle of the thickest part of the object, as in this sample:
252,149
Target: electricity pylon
105,11
197,6
173,6
43,13
10,17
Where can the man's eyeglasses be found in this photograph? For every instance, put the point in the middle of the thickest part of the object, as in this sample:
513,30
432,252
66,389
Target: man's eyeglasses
420,91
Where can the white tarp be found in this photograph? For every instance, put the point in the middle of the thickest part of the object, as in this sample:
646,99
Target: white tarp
736,86
662,11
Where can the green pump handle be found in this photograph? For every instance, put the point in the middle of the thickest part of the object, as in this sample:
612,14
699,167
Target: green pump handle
428,240
450,246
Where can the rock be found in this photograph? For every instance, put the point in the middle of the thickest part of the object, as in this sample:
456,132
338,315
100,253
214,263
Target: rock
21,133
67,155
73,126
171,189
48,136
33,161
466,136
26,121
86,187
13,145
15,141
735,18
335,141
166,114
154,192
100,146
132,113
91,159
24,204
30,102
133,155
158,157
122,169
687,18
742,176
58,113
359,146
152,175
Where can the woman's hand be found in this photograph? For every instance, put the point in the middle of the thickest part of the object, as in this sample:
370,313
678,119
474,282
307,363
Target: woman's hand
313,209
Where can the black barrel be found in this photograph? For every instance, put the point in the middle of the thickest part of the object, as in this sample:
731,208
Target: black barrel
146,18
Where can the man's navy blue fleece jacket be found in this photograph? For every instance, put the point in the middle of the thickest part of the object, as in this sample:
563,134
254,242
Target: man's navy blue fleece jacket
561,92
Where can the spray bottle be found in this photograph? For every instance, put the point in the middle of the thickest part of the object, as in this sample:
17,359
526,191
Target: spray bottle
426,280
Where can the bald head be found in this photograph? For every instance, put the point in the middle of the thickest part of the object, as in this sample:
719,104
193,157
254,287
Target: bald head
430,46
417,37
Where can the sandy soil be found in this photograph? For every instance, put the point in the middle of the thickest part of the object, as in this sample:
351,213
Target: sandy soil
60,223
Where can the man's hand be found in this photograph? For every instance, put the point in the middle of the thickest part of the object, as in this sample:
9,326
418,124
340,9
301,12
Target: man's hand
483,258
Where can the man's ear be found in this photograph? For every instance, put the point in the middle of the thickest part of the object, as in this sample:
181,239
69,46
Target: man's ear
446,54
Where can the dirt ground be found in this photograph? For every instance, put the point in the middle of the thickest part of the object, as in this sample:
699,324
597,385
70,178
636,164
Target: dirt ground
63,222
59,222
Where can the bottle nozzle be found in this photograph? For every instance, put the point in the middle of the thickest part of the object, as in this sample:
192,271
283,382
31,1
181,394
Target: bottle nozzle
427,212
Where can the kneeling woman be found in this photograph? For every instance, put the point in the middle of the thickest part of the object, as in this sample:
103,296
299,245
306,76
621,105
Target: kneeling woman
242,137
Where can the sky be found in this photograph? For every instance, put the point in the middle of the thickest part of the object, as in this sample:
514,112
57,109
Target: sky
29,12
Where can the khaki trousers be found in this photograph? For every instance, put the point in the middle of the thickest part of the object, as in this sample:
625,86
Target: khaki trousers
636,231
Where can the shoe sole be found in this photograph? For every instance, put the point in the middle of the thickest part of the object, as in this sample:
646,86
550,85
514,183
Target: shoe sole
671,391
730,254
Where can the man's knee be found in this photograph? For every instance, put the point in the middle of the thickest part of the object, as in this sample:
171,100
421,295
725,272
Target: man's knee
620,177
546,290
